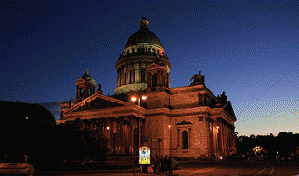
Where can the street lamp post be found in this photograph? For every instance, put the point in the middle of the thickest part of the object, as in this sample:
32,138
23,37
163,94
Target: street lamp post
138,99
169,126
217,142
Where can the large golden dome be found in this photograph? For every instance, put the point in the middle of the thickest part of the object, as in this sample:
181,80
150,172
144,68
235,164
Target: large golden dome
143,36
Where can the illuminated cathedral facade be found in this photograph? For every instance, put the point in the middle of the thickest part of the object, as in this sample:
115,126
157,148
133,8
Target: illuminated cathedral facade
187,121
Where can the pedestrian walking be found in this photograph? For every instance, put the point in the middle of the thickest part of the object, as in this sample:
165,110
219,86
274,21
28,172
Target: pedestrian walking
169,165
155,164
165,162
162,165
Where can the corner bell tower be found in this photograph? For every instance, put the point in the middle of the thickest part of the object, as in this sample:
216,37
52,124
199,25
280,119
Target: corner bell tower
85,87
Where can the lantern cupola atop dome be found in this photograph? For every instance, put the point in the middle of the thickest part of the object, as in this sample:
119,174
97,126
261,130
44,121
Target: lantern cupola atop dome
144,23
141,50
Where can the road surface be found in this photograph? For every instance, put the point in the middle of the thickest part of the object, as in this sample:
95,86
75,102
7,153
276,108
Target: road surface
194,169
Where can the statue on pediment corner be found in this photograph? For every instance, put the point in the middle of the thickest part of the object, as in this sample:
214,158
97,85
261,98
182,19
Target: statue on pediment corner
198,79
99,89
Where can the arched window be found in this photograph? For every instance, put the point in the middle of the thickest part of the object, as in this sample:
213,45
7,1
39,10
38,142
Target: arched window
155,80
185,139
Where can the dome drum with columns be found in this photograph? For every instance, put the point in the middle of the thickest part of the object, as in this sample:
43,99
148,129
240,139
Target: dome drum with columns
142,49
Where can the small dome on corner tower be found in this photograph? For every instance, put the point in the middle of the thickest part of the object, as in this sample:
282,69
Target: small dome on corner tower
89,79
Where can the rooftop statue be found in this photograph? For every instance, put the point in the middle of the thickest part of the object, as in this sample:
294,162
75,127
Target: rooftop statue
100,89
198,79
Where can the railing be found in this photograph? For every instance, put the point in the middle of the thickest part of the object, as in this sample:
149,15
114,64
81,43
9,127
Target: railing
142,53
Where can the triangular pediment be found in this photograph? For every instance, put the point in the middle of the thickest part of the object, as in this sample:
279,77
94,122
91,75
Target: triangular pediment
155,66
97,101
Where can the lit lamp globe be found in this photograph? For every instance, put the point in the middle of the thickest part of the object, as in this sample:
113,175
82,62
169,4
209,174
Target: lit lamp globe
143,97
133,99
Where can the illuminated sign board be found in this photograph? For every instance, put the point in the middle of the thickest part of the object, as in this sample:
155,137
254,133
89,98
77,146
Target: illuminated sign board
144,155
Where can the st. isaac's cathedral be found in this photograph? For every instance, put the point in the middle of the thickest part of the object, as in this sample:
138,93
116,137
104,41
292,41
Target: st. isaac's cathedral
187,121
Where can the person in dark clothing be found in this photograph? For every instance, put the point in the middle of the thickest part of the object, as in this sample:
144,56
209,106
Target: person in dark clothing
169,165
162,165
159,164
165,163
155,164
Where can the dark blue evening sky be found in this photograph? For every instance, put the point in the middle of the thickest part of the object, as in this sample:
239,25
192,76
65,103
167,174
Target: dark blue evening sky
249,49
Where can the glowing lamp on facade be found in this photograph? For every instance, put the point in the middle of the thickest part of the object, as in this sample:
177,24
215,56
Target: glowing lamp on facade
217,127
133,99
60,121
257,149
169,126
143,97
108,128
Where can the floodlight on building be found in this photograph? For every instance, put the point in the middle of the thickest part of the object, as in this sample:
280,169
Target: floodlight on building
169,126
133,99
138,99
60,121
144,97
108,128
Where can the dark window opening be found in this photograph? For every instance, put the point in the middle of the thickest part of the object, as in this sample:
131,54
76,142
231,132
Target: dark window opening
125,78
167,83
185,139
143,75
120,77
155,80
133,76
130,77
